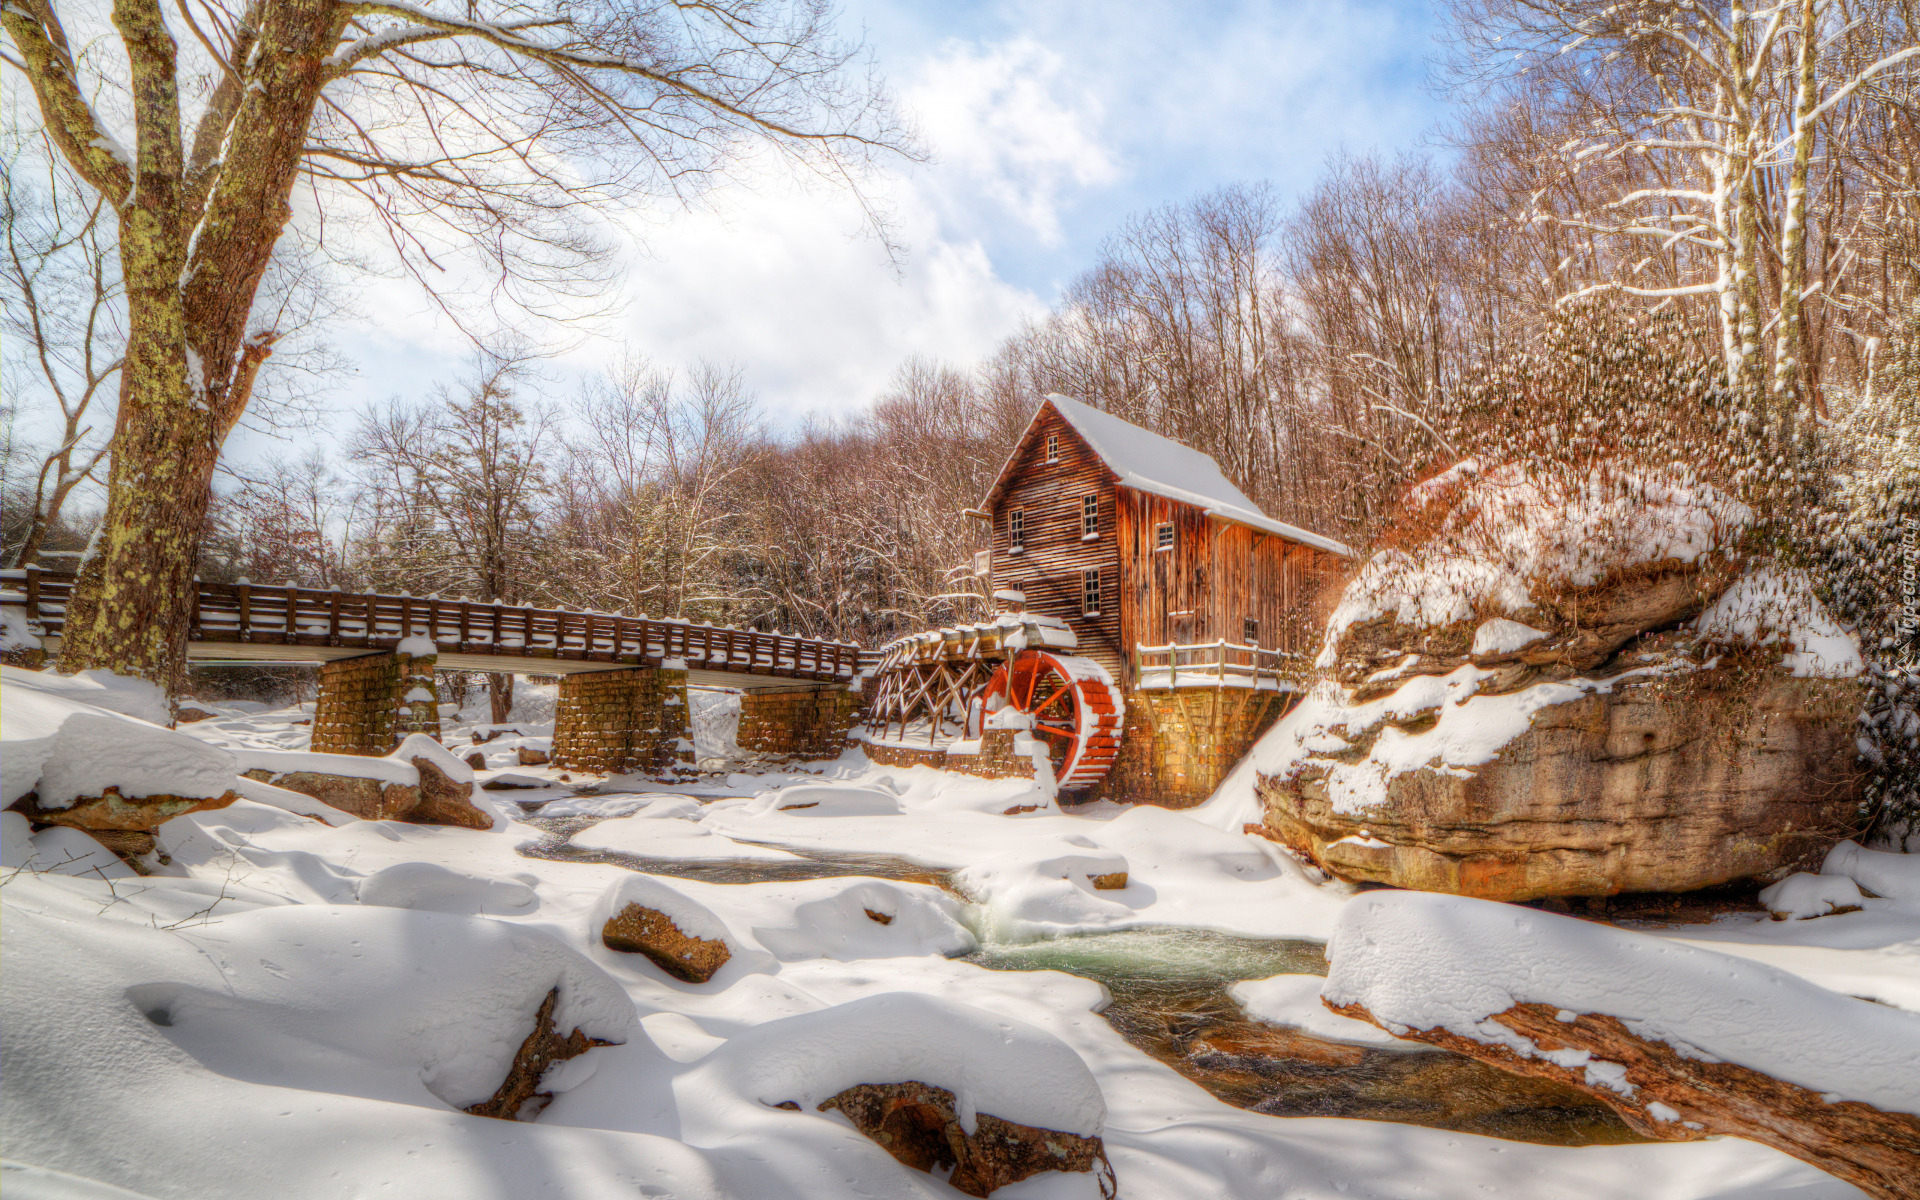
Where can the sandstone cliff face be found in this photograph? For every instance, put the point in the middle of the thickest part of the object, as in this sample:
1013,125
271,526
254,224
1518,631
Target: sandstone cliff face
1660,784
1634,734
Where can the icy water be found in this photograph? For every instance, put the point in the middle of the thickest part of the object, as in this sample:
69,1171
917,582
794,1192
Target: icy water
1169,989
1170,999
812,864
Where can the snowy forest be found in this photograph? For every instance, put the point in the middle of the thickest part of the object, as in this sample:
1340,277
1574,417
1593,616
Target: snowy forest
1403,685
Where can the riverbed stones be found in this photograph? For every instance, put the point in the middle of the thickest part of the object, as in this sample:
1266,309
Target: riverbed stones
637,929
435,800
918,1124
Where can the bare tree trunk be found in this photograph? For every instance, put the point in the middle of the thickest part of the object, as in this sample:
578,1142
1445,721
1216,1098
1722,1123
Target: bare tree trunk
500,695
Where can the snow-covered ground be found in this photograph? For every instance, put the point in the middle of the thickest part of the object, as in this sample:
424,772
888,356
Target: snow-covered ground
302,1005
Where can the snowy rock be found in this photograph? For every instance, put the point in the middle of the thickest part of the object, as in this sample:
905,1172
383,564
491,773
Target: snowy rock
1659,721
65,760
940,1085
1293,1002
684,938
919,1125
1651,780
868,918
421,782
1800,896
1680,1040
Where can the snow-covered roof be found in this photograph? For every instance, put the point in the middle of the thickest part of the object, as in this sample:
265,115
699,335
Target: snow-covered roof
1147,462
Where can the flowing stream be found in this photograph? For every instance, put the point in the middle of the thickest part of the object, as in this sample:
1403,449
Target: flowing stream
1169,989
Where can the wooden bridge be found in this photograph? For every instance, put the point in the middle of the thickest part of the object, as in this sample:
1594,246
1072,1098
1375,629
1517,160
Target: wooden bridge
260,623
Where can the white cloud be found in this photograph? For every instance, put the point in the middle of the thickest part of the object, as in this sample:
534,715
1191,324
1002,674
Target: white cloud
1007,120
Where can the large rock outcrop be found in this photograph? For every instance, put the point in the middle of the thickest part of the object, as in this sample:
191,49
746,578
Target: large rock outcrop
1666,781
1508,716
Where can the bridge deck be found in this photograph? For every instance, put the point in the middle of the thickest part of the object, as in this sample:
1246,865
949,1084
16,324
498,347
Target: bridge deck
263,623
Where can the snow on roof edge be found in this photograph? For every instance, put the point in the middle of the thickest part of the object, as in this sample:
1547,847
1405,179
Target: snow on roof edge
1234,506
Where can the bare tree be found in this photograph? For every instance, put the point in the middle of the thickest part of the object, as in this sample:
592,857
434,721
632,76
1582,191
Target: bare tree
456,488
64,313
1707,129
648,516
489,123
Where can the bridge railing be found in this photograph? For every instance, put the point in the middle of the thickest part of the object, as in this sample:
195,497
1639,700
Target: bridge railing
264,614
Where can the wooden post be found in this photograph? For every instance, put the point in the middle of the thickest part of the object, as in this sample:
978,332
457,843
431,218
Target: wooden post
246,612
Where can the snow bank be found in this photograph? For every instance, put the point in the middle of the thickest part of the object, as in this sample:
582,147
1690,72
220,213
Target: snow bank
661,827
1293,1001
1887,875
1770,606
1508,533
840,924
16,631
57,850
434,888
101,689
991,1063
1422,961
1850,877
413,1007
63,747
826,800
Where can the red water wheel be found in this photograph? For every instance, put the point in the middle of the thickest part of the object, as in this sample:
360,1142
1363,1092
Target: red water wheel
1071,704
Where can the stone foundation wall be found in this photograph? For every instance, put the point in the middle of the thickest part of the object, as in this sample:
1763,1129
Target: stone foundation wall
806,723
1177,744
997,758
623,722
362,707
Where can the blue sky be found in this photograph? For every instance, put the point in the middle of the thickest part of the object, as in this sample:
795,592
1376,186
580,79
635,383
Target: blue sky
1048,123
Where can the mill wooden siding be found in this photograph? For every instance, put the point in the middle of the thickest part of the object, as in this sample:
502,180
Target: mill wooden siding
1215,576
1049,569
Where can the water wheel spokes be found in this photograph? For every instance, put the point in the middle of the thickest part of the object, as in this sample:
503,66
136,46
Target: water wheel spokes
1071,705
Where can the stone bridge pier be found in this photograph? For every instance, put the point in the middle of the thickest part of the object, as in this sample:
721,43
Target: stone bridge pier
632,721
369,703
797,722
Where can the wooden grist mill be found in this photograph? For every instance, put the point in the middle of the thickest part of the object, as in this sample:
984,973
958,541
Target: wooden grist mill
1153,621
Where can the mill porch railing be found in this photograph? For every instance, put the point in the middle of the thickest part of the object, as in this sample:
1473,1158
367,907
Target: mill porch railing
1218,664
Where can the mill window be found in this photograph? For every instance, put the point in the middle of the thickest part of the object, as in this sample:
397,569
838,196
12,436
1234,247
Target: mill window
1053,447
1163,536
1250,631
1090,593
1016,530
1089,517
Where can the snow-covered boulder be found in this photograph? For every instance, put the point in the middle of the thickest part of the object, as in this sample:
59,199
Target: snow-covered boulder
984,1099
420,782
414,1007
686,939
1680,1040
73,752
1565,691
